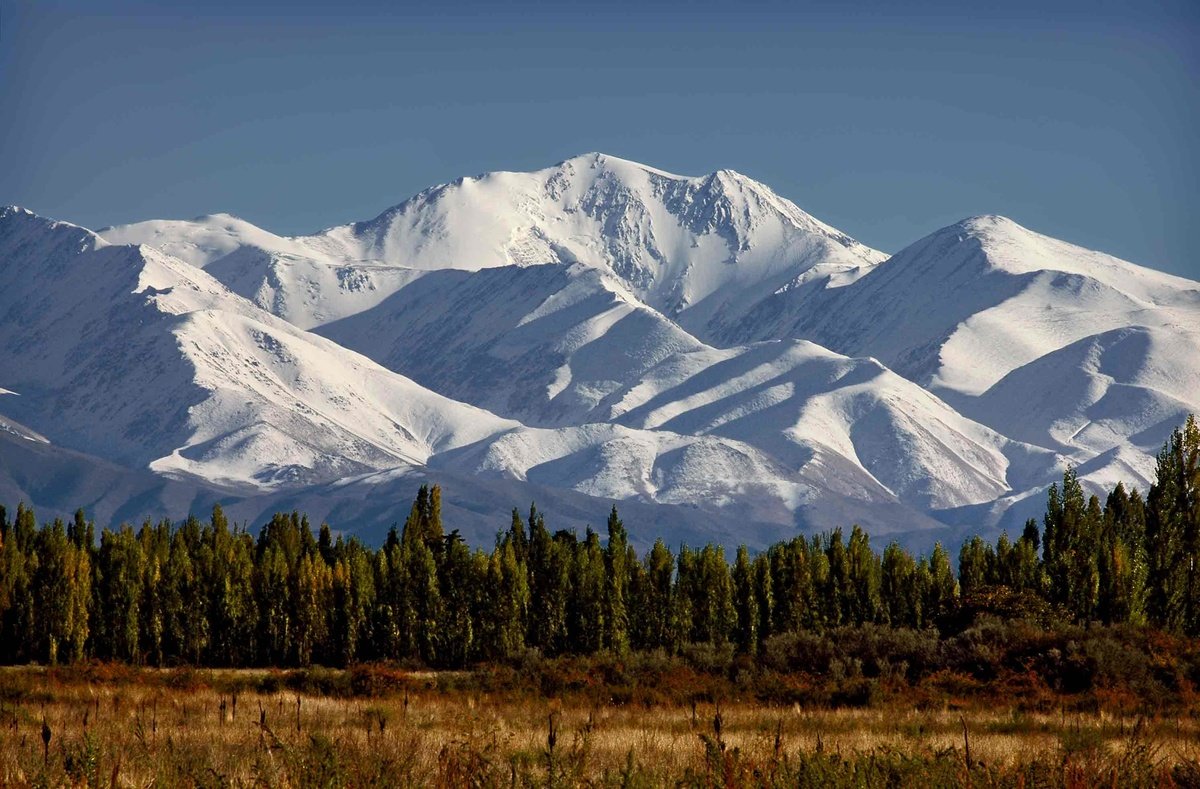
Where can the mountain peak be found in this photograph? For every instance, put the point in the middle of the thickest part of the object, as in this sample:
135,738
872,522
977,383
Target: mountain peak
13,210
221,217
984,224
596,160
17,222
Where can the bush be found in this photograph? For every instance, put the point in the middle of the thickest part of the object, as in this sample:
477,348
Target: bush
804,651
318,681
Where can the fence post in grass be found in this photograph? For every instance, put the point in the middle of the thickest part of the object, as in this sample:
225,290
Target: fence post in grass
297,713
778,750
551,741
46,736
966,748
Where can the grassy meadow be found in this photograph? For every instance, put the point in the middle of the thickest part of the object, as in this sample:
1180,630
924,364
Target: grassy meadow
116,726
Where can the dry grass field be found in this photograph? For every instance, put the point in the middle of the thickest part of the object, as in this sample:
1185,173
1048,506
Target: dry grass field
125,727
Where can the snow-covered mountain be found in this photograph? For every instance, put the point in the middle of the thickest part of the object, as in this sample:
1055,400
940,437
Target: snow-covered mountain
1044,341
701,250
161,368
543,344
144,359
593,332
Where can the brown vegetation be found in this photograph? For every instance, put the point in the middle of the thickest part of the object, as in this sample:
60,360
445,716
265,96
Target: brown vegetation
653,725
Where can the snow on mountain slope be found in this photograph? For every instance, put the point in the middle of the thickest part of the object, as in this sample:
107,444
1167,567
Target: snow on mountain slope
1043,341
701,250
712,473
205,239
222,393
542,344
968,304
556,346
804,405
283,276
681,244
652,333
1124,388
146,360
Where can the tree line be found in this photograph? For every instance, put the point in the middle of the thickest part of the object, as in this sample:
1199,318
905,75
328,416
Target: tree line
208,593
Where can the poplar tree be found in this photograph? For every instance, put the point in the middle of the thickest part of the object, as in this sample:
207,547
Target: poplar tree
684,593
458,592
549,581
764,596
62,587
508,584
837,590
313,601
942,591
974,566
656,607
862,566
745,603
1173,533
18,565
585,611
423,598
119,596
898,587
616,593
712,598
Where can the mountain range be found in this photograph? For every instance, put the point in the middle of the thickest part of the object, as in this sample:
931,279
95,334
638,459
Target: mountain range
700,351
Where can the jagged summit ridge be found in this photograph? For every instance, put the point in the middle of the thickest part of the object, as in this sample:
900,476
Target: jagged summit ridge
674,240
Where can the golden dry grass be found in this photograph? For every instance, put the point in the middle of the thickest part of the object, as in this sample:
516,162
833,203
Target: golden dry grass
130,732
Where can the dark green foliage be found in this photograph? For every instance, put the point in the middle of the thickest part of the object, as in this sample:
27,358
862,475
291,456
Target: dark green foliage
1173,533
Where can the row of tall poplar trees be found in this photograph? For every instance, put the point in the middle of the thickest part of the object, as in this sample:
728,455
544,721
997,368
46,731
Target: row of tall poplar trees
208,593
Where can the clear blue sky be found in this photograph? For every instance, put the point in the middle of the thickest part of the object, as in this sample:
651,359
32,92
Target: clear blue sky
888,119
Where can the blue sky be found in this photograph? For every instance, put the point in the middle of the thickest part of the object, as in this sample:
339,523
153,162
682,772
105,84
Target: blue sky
887,120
